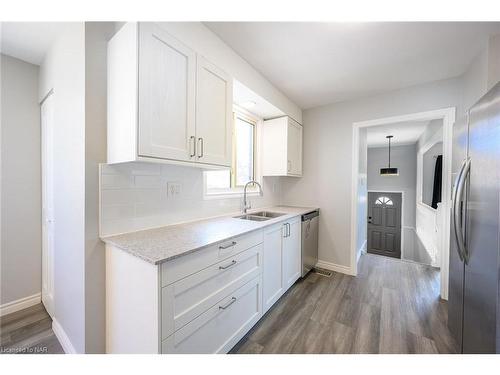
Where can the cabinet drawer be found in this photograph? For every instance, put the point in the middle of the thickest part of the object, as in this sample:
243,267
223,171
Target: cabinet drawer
187,298
179,268
219,328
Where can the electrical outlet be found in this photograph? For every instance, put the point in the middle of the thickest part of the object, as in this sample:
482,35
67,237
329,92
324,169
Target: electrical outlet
275,187
174,189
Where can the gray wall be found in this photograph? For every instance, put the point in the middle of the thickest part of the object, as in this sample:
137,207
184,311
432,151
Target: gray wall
21,233
327,162
405,159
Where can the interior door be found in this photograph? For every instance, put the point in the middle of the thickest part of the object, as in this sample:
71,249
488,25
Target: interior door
481,293
214,114
167,84
47,128
294,148
384,224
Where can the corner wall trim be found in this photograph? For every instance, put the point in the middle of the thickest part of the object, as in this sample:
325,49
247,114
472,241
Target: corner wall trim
63,338
334,267
20,304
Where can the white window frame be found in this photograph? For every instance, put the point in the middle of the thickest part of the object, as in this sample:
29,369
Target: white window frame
237,192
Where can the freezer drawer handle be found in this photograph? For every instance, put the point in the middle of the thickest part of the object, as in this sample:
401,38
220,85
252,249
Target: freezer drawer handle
233,300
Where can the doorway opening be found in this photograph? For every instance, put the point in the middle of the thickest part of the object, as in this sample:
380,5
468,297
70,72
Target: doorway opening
399,206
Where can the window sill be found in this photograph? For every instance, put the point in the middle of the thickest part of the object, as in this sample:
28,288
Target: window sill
230,193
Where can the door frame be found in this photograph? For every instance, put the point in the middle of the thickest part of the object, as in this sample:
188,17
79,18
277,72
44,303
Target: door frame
401,214
448,117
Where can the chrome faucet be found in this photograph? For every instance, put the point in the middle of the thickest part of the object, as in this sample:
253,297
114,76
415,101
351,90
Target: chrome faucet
246,205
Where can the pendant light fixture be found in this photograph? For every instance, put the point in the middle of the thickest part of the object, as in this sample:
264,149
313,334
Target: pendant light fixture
389,171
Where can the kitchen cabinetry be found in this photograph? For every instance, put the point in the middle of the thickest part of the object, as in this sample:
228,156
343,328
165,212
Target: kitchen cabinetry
282,147
282,260
166,103
204,301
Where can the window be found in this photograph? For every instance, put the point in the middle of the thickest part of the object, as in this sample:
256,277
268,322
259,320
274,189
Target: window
243,163
384,200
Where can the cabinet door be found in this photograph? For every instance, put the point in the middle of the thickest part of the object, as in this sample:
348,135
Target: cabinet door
292,253
294,160
273,280
214,101
167,73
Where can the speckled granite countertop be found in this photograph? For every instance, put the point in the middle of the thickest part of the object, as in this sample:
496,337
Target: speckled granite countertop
161,244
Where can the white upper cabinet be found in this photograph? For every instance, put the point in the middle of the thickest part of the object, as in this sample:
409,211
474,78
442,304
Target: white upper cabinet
165,102
214,101
282,147
167,76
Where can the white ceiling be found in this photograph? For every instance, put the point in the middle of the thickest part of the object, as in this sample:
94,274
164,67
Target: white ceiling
29,41
320,63
404,133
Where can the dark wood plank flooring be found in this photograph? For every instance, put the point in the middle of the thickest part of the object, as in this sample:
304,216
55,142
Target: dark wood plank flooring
28,331
392,306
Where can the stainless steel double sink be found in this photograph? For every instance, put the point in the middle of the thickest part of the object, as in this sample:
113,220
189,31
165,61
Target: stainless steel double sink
260,216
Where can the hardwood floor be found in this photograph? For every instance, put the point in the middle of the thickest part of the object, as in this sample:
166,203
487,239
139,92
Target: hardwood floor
28,331
392,306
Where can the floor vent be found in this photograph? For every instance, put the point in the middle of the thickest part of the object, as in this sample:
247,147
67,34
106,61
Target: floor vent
323,272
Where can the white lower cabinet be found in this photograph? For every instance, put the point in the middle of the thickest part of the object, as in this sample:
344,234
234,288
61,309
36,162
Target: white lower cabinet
273,279
292,253
204,302
219,328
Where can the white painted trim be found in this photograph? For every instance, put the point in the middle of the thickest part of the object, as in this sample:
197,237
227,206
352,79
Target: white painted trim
334,267
448,116
63,338
362,250
20,304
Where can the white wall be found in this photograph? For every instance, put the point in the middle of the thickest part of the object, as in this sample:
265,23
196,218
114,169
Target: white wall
362,193
21,243
97,35
63,69
134,197
326,182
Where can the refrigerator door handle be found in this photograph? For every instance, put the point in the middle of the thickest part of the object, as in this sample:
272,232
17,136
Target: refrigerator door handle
453,210
457,212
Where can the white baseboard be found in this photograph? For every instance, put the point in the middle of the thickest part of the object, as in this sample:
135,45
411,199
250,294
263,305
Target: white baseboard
63,338
20,304
334,267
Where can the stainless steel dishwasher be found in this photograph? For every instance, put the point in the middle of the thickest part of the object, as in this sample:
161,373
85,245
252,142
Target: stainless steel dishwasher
310,223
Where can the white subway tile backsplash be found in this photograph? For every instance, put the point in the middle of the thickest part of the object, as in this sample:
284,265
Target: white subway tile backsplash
134,197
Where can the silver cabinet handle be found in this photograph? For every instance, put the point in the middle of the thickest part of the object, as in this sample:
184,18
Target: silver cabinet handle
233,300
287,230
289,227
227,246
192,138
457,212
289,166
229,265
202,148
284,230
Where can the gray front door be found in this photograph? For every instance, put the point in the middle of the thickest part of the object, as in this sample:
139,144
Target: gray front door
384,224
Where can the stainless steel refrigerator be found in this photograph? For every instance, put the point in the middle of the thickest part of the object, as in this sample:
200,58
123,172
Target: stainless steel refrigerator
474,296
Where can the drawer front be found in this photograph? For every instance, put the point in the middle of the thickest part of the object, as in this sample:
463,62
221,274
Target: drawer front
219,328
179,268
187,298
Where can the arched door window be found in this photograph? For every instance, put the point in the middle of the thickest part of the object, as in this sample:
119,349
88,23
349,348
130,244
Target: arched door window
384,200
